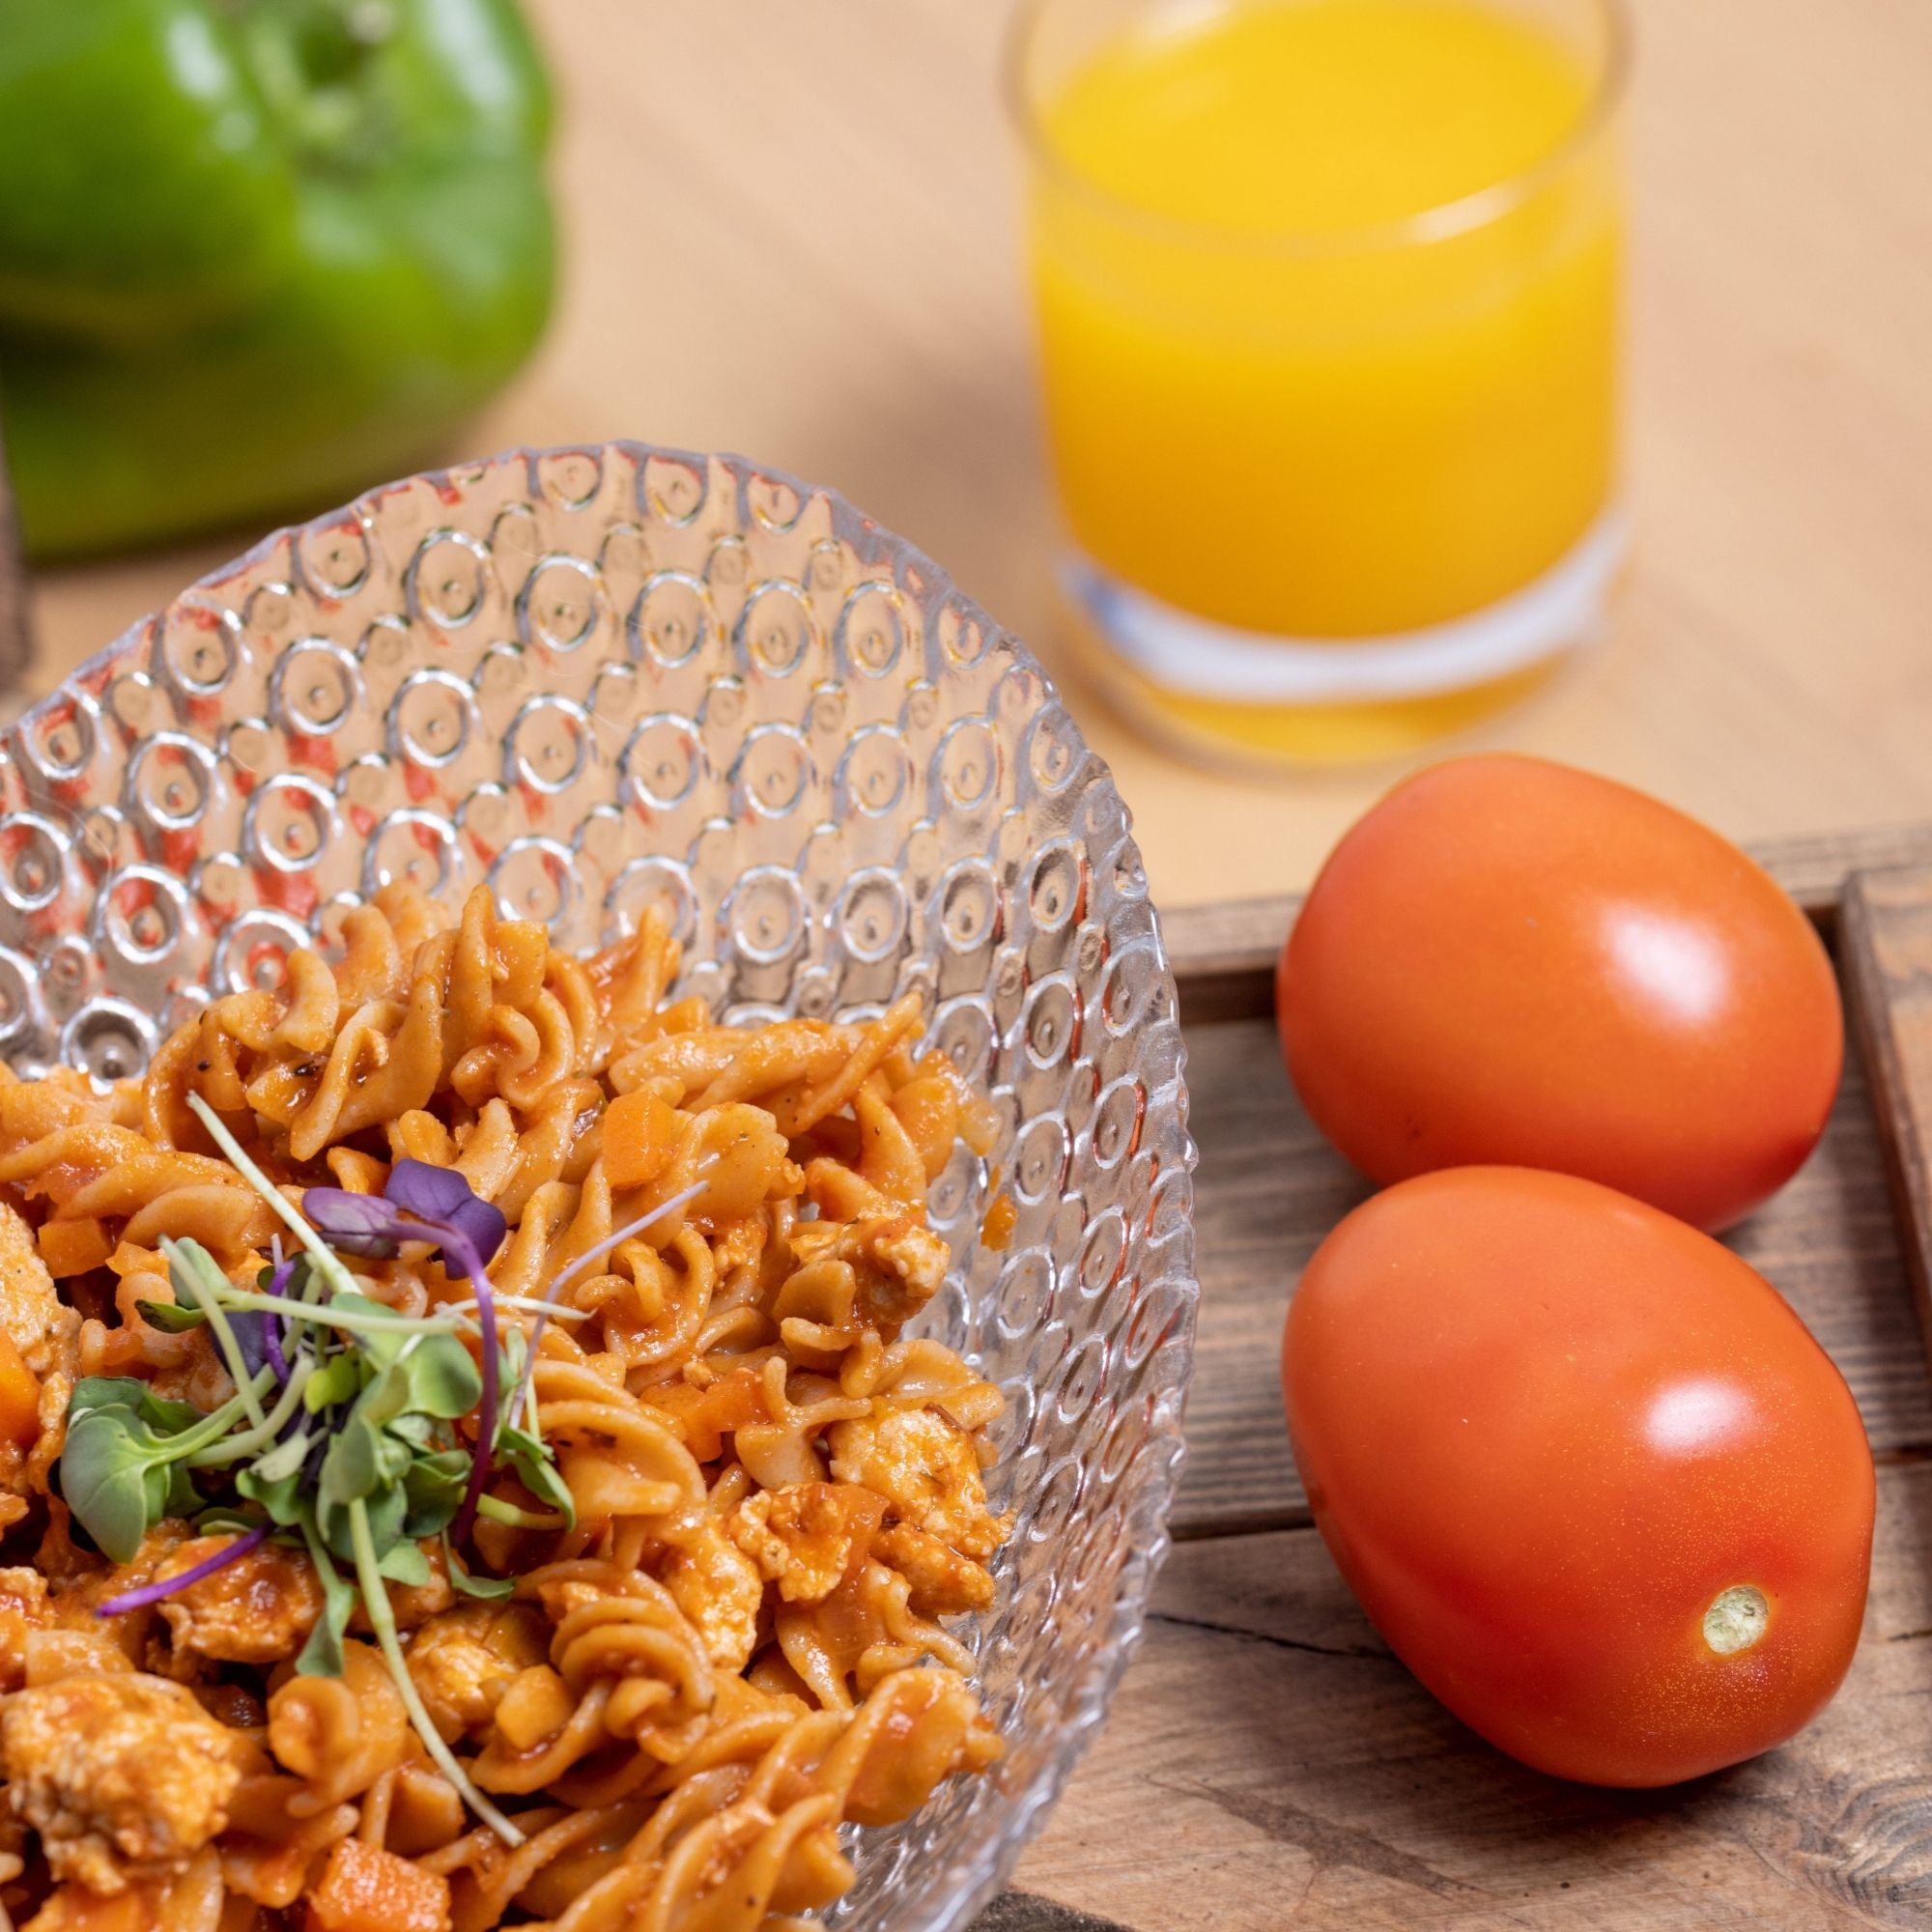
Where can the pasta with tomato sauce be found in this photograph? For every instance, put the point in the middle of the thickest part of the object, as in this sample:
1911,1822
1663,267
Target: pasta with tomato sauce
702,1537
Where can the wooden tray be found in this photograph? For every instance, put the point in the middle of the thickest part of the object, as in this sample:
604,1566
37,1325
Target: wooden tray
1269,1763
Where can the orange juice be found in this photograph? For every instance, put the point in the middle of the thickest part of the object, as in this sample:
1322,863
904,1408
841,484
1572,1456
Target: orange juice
1327,300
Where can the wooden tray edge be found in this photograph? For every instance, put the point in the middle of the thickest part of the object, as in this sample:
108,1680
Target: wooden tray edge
1885,943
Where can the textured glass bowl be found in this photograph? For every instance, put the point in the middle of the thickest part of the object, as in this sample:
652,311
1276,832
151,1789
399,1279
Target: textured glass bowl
604,679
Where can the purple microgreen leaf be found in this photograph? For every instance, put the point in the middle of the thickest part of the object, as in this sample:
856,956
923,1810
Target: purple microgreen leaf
272,1325
429,1192
482,1224
443,1199
153,1593
357,1224
459,1249
251,1328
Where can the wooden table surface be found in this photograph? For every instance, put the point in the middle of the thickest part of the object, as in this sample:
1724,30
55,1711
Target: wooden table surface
1269,1763
791,231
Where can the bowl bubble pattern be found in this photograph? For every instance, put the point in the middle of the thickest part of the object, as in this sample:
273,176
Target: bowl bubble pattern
604,679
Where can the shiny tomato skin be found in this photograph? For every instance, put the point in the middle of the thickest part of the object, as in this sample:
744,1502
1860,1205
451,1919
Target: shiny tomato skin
1512,961
1544,1428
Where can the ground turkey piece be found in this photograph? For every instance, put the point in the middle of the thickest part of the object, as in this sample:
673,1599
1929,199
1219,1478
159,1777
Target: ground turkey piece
124,1775
464,1659
718,1590
46,1334
927,1467
258,1609
44,1329
808,1537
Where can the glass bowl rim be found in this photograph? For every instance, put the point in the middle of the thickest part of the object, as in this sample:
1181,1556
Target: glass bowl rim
986,1864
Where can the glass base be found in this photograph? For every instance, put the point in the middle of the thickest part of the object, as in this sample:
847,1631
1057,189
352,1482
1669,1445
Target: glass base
1209,689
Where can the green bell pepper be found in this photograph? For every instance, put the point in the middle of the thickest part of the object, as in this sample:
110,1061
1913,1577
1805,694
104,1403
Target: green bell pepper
256,255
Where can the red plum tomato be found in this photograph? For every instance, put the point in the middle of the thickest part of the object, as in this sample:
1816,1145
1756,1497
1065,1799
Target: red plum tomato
1585,1470
1510,961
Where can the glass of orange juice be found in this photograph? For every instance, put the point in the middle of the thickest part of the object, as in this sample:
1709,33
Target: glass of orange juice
1329,309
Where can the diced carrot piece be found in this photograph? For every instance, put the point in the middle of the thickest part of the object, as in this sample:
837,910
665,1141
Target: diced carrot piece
71,1908
640,1135
536,1704
74,1247
365,1889
19,1396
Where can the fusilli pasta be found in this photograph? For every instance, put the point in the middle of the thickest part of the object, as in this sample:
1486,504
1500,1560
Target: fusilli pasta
737,1637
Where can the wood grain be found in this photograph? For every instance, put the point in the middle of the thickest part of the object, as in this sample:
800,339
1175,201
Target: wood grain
1269,1763
1887,943
793,229
1270,1189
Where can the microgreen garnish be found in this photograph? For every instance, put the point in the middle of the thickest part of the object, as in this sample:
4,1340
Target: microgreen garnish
382,1619
265,1433
424,1202
337,1276
125,1463
322,1655
192,1268
492,1588
275,1281
342,1436
420,1202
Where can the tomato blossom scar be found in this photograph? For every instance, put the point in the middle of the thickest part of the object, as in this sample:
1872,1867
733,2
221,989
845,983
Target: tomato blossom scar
1737,1619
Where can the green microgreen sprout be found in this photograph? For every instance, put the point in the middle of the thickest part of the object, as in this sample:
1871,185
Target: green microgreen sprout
343,1434
125,1462
193,1268
319,1252
382,1619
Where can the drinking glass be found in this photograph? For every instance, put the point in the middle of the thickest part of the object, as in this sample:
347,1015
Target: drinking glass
1331,488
